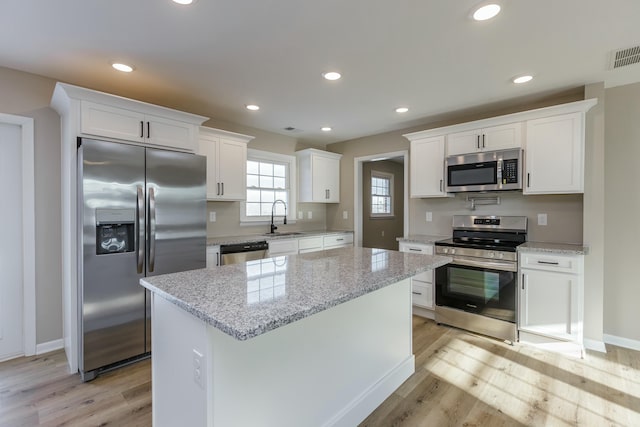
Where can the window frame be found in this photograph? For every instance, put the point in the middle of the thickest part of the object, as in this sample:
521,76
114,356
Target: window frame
290,161
381,175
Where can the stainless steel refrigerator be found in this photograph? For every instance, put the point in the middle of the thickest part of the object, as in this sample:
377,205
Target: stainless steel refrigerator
142,212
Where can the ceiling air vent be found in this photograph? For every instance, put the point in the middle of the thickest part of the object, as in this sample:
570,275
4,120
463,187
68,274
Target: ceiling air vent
624,57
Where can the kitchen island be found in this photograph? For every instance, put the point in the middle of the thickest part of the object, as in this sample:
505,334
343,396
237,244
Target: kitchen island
315,339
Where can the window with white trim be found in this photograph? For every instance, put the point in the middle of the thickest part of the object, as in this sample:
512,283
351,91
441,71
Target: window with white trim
381,194
270,177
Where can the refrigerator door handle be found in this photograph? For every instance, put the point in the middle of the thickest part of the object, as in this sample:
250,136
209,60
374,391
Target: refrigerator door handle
152,229
141,226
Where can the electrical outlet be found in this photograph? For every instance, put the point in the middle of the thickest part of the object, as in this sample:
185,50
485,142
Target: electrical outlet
212,216
309,215
300,214
429,216
382,233
198,368
345,215
542,219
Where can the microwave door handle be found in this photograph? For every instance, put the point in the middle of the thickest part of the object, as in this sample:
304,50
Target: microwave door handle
140,233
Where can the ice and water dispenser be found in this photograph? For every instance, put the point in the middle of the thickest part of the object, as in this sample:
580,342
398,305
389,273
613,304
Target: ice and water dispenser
115,231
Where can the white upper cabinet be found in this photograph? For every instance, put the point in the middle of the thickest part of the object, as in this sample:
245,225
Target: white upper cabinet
486,139
426,167
226,154
97,114
554,155
318,176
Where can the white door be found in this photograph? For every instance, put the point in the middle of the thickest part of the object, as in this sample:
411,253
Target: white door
11,288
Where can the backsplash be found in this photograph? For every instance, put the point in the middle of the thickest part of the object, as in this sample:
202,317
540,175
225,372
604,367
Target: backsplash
228,220
564,214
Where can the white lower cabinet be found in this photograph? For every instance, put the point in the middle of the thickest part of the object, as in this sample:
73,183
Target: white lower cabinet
213,256
309,244
340,240
421,284
551,301
283,247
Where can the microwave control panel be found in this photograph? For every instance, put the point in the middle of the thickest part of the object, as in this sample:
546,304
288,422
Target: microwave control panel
510,171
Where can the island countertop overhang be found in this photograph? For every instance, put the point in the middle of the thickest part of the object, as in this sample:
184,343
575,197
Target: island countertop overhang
250,299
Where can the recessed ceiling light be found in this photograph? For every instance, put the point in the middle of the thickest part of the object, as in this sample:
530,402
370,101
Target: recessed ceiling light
252,107
122,67
402,110
522,79
332,75
486,11
326,129
184,2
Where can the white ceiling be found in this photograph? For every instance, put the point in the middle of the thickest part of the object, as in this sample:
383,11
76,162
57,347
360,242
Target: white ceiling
215,56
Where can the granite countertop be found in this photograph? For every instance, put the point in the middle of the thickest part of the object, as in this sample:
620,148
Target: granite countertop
556,248
421,238
227,240
248,299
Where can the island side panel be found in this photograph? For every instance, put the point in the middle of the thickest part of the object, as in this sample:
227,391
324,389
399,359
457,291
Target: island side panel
332,368
177,399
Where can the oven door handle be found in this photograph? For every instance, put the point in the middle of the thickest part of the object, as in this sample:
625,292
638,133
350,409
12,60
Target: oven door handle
489,264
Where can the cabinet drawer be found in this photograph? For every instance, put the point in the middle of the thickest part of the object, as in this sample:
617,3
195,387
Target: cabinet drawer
283,247
551,262
422,294
310,244
337,240
418,248
426,276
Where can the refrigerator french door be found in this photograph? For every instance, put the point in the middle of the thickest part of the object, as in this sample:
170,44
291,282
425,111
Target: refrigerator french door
143,213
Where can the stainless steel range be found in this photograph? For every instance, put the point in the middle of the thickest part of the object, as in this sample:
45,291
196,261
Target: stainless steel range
477,291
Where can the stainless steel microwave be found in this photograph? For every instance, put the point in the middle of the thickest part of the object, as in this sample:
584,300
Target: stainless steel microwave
486,171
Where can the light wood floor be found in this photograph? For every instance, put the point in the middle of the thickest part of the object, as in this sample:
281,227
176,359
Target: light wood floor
461,379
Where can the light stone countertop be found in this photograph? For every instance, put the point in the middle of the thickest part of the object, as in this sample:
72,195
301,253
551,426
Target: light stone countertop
421,238
248,299
556,248
227,240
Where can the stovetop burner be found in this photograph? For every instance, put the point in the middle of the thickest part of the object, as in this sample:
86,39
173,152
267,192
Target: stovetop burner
489,232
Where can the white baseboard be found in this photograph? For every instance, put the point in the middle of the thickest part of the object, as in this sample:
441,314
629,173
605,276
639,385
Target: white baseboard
360,408
622,342
46,347
423,312
594,345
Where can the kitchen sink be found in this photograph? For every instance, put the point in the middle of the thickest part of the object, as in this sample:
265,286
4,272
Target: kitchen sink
285,233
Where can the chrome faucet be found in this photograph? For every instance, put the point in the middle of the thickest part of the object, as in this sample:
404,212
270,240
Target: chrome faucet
273,227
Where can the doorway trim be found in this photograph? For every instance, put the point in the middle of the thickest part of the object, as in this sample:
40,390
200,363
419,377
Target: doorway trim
28,230
357,190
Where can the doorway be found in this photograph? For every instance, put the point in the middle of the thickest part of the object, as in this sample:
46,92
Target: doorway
17,246
381,231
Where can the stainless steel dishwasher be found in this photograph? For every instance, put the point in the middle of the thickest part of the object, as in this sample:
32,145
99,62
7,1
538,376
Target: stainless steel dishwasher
241,252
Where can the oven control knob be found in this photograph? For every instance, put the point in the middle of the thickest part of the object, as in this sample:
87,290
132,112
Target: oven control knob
491,254
453,251
500,255
445,250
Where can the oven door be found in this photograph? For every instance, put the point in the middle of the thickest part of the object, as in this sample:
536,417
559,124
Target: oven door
482,287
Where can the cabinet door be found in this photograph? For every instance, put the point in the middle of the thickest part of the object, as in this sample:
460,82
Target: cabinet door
501,137
463,142
209,147
170,133
422,294
232,169
283,247
213,256
555,155
111,122
326,179
426,167
549,304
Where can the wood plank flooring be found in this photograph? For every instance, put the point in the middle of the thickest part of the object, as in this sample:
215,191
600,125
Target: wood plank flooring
461,379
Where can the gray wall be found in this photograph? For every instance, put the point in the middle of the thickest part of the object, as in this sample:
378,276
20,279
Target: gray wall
622,204
382,232
29,95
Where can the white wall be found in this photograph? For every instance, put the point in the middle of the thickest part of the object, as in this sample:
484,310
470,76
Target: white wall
29,95
622,207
